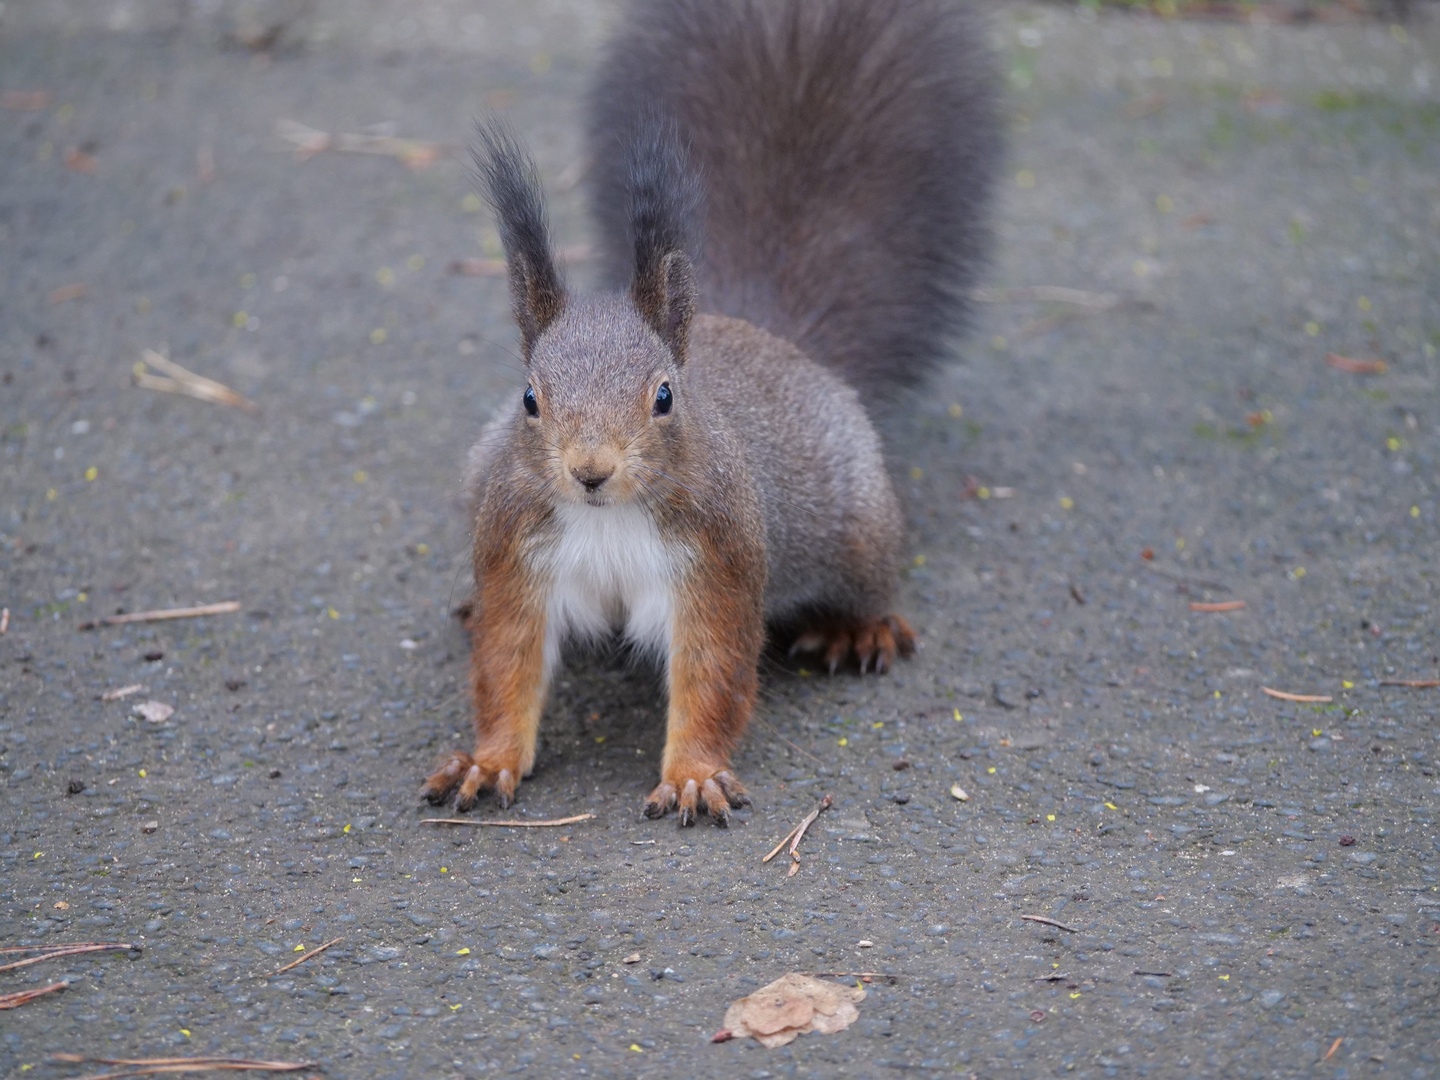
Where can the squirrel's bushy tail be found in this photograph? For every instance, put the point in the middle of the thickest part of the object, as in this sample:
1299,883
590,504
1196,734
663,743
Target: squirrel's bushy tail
846,149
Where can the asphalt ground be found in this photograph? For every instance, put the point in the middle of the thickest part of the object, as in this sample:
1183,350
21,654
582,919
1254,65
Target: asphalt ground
1251,882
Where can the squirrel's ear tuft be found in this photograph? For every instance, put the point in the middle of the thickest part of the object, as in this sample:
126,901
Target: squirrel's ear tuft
664,201
665,297
511,183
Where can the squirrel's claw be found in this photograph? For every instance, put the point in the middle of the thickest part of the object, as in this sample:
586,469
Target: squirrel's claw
465,776
697,793
810,641
469,789
441,782
661,801
873,643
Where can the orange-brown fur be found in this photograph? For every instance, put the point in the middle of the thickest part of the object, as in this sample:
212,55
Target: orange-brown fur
719,629
506,638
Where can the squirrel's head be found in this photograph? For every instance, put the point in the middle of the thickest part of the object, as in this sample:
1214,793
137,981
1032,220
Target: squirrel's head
604,406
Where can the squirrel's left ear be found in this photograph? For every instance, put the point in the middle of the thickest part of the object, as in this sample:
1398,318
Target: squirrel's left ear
664,203
664,294
512,184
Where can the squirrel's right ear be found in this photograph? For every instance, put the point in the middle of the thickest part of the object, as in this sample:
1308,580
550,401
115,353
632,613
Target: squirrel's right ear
664,203
511,183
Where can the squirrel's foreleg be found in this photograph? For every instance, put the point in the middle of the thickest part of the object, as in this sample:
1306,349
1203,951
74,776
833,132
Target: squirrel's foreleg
509,677
715,646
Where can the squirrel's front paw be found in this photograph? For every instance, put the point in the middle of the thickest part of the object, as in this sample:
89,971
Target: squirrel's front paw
870,641
466,775
696,790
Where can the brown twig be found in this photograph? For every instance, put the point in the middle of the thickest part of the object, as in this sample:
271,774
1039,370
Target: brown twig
21,997
1421,684
52,952
795,835
781,845
806,823
1050,922
1356,367
153,1066
9,950
1303,698
179,380
308,141
1082,303
1223,605
296,963
68,292
1333,1047
215,1062
222,608
506,824
1157,974
121,692
1043,325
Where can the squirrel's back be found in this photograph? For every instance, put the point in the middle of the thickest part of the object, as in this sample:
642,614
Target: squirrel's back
846,149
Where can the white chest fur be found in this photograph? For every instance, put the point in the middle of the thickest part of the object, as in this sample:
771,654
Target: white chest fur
609,571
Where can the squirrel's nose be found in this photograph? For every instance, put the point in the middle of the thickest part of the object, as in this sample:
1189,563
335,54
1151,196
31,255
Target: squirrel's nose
591,476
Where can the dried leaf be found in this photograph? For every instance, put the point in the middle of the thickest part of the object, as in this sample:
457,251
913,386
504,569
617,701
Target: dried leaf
792,1005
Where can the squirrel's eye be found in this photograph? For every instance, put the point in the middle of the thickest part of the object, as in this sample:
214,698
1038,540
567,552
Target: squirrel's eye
531,405
663,399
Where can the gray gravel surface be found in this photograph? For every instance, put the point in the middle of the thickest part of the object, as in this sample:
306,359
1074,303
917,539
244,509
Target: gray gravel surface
1249,880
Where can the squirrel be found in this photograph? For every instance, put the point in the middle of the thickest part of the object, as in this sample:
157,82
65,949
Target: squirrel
690,460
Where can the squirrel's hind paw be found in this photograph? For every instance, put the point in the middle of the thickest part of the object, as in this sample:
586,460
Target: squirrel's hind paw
465,777
695,793
872,643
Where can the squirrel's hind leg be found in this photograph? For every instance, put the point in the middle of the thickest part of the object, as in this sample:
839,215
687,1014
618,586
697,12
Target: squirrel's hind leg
872,643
